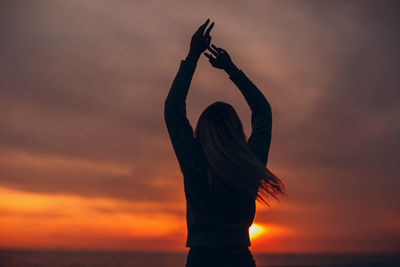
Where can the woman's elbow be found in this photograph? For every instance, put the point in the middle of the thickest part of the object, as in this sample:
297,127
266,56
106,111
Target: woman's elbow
170,108
167,107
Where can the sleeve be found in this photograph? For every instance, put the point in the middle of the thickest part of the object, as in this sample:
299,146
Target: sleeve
179,129
261,116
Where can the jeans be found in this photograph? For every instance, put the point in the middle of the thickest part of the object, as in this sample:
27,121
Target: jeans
220,256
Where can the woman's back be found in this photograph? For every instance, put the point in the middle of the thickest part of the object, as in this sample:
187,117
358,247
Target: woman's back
217,216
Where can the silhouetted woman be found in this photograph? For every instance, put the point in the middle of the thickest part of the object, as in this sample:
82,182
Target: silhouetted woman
224,173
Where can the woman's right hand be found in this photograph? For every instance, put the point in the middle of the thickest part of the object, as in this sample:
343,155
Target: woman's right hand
222,60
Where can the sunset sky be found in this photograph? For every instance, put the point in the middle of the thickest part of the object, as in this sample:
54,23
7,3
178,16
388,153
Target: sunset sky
85,157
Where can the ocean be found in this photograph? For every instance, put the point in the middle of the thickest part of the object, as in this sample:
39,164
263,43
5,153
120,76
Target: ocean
63,258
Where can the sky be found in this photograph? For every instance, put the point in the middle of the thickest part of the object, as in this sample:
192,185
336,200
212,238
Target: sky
85,157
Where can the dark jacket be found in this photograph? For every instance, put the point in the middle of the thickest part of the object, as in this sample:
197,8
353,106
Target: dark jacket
214,218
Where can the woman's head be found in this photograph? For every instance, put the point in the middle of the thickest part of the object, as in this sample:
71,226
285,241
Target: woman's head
231,162
219,122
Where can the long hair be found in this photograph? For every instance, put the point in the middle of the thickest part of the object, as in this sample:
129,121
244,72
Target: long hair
230,160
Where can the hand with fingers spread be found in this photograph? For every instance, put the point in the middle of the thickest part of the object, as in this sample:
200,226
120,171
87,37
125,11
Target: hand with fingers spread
200,40
222,60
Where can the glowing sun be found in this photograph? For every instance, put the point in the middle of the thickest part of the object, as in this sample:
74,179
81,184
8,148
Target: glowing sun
256,230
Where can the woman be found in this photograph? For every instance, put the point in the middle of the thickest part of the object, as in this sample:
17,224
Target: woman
224,173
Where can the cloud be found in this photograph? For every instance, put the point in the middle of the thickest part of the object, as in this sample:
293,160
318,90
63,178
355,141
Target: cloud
52,174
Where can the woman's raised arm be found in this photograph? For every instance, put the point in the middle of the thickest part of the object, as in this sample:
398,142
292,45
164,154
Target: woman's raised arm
261,116
179,128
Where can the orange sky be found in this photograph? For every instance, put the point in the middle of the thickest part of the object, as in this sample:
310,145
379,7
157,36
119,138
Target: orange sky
85,158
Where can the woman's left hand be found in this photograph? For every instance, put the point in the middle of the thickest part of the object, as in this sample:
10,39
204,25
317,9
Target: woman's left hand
200,40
